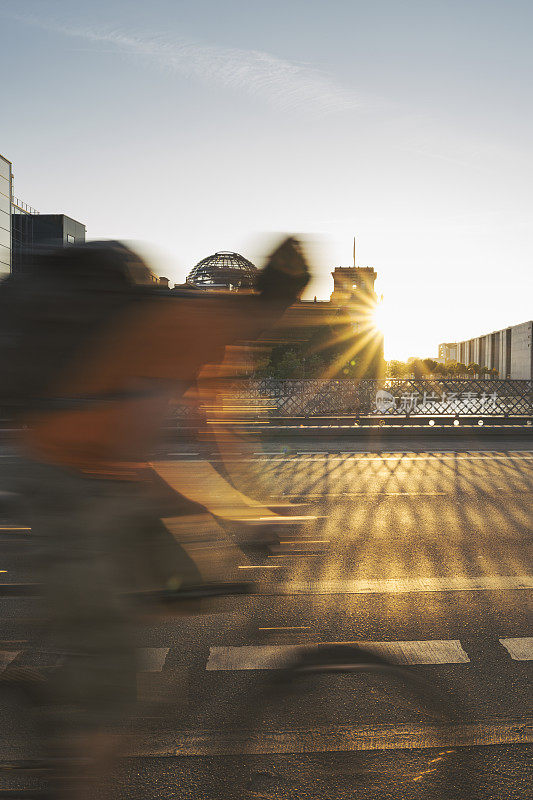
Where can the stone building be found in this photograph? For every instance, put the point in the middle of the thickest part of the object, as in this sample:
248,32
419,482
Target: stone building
346,317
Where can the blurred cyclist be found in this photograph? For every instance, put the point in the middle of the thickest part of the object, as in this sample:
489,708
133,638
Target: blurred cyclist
116,352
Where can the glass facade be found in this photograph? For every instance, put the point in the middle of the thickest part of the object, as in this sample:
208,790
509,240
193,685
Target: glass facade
21,235
6,180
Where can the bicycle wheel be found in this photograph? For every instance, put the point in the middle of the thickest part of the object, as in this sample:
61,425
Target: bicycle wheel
335,721
388,733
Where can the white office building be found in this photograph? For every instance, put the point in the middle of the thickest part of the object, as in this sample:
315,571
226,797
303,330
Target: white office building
510,351
6,192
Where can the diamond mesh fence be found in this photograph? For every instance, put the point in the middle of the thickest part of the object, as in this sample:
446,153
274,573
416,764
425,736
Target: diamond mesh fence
270,398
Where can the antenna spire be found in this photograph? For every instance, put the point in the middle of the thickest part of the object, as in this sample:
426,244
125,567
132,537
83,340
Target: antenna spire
354,251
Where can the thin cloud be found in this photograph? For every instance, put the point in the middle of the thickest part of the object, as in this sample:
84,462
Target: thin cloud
283,84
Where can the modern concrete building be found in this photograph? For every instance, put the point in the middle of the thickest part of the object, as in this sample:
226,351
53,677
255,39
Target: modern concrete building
510,351
6,193
23,230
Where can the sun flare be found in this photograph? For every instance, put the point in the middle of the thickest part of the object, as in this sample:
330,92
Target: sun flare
394,327
379,317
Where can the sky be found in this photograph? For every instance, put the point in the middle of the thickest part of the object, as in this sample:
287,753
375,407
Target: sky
192,126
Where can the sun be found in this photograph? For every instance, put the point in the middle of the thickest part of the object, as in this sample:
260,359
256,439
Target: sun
390,323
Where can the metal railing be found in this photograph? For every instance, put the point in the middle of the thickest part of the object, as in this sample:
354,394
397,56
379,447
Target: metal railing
268,399
22,206
365,401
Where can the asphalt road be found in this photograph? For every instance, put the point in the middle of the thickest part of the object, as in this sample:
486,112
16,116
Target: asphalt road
419,550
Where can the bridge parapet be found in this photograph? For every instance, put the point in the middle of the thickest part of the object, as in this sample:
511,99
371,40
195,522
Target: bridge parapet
268,399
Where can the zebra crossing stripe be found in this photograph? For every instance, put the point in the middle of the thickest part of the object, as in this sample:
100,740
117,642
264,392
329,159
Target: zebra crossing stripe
156,685
151,659
6,657
520,649
439,651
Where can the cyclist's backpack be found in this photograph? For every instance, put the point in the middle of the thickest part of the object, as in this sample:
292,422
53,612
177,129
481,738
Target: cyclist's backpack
52,308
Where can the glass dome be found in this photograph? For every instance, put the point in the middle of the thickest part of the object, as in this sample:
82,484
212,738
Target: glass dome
223,270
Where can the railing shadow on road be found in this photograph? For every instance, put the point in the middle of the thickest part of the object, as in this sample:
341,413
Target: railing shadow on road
396,514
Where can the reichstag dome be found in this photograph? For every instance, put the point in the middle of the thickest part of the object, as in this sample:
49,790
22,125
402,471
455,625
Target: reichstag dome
224,270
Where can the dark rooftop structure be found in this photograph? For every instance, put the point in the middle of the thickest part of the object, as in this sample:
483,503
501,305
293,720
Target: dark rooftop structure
33,232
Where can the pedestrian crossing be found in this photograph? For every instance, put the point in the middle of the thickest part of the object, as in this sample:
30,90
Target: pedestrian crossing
6,657
229,665
520,649
438,651
168,689
151,659
276,656
268,656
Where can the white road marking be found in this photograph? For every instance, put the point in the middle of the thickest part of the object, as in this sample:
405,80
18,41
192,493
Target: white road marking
440,651
520,649
432,457
301,542
6,657
335,457
250,657
403,585
365,494
288,552
151,659
437,651
287,628
337,739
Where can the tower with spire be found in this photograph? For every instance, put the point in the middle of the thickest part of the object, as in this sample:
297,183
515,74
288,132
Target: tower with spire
353,283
